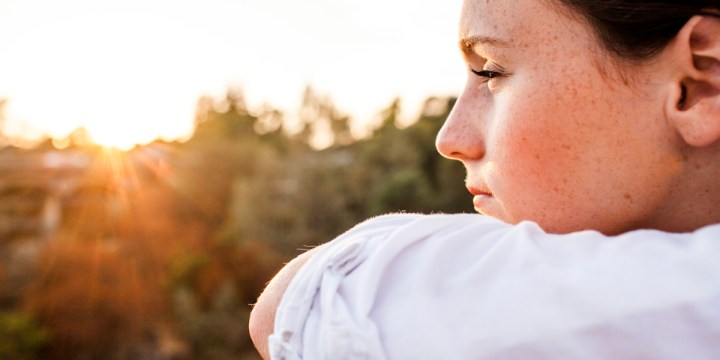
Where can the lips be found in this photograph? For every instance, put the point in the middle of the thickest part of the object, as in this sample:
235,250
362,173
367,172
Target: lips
482,199
478,191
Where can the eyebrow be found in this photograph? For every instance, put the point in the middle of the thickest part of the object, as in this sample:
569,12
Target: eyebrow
466,44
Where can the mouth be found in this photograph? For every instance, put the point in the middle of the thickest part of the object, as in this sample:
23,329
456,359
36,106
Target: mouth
481,198
478,192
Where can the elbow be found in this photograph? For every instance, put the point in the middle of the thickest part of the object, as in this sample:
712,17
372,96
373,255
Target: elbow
261,327
262,316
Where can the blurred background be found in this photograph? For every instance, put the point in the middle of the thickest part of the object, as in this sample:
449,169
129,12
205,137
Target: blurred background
160,160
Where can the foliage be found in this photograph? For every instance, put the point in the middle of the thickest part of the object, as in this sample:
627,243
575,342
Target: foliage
93,299
21,336
163,249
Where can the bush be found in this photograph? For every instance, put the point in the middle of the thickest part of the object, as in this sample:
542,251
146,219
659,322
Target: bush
21,337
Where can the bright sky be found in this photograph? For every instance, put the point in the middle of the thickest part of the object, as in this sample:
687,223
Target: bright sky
132,70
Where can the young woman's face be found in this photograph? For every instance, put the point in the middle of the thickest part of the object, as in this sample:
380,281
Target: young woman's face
550,130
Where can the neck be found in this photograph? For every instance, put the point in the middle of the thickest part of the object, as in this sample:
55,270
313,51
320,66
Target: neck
694,202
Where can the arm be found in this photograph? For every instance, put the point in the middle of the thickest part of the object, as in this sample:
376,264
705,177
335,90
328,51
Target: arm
262,317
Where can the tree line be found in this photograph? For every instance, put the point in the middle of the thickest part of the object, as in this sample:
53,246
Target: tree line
164,251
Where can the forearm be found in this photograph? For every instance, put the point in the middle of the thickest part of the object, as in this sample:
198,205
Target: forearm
262,317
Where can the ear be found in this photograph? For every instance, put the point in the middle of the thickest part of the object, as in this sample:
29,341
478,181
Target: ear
694,107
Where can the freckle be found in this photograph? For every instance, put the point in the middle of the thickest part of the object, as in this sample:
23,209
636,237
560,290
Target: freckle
698,166
628,198
566,146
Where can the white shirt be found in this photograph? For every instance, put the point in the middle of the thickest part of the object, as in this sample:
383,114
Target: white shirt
471,287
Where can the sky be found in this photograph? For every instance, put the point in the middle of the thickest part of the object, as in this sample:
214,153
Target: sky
131,71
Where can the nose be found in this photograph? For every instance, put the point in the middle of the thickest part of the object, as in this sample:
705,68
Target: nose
460,138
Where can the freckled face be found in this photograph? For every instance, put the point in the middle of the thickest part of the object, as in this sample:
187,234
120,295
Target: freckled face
549,131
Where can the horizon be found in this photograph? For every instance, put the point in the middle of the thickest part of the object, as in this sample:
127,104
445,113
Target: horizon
133,72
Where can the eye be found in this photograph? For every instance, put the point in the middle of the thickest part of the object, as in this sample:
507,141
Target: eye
487,74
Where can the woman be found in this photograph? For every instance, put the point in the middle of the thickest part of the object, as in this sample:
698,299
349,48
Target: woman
577,115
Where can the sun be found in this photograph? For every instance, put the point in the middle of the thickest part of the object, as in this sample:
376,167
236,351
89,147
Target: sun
127,115
121,139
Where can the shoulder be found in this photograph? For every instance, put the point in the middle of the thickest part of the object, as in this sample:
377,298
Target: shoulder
418,225
396,279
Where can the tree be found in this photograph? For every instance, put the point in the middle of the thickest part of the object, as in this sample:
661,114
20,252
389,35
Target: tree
322,124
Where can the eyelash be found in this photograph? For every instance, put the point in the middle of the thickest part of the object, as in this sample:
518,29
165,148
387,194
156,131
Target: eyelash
486,74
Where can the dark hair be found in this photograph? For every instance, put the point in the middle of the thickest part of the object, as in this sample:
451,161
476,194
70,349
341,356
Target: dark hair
636,29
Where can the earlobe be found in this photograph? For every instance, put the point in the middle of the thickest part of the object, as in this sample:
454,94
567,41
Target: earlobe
695,103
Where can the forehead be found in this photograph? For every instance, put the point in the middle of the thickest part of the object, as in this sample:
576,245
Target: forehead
520,23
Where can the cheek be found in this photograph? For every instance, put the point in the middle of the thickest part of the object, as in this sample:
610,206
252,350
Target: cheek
537,138
576,160
548,149
531,159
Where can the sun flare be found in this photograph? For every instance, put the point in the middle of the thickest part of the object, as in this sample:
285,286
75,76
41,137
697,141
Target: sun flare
121,139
